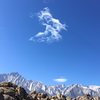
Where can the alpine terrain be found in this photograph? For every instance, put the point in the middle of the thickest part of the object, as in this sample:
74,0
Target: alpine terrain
73,91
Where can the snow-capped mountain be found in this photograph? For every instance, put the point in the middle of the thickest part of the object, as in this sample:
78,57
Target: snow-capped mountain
72,90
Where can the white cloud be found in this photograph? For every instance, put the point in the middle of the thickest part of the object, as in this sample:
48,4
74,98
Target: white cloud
60,80
52,30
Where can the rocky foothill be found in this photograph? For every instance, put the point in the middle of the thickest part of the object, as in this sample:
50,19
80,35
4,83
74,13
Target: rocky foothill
10,91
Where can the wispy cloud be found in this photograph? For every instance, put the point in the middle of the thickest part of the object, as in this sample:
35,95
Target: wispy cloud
53,27
60,80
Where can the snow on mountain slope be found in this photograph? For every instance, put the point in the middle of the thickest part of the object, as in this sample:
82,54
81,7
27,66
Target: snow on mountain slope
72,90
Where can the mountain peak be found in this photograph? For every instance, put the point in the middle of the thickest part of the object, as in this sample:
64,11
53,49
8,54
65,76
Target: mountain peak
29,85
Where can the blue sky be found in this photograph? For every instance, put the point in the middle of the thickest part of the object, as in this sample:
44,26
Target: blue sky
74,57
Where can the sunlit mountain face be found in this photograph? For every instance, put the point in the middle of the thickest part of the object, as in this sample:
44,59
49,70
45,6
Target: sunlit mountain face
30,86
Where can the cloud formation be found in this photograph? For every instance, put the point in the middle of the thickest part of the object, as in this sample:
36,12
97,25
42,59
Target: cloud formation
53,27
60,80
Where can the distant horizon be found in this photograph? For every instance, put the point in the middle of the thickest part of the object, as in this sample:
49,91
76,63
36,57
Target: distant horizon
57,84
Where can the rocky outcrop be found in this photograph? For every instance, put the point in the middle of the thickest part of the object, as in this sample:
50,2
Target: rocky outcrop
10,91
73,90
85,97
41,96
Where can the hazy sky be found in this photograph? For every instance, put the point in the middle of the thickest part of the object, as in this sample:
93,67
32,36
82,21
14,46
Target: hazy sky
52,41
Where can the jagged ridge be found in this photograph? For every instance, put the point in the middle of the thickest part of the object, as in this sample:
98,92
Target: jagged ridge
10,91
29,85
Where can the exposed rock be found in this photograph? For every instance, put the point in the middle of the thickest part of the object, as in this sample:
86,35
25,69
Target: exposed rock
21,92
68,98
73,90
8,97
1,96
96,98
9,91
8,84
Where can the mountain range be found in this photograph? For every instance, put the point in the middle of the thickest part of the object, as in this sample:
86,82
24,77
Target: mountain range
30,86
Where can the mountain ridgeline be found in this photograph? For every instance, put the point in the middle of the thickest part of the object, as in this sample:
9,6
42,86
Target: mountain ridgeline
10,91
69,91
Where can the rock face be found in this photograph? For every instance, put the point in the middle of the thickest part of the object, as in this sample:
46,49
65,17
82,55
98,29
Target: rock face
87,97
10,91
30,86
